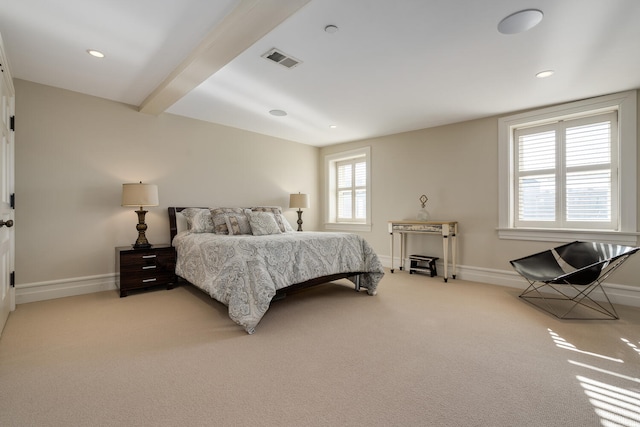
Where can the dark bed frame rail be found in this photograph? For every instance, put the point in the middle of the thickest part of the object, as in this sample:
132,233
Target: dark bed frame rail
280,293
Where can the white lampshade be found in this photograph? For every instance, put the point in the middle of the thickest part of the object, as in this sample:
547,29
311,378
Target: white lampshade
299,201
139,195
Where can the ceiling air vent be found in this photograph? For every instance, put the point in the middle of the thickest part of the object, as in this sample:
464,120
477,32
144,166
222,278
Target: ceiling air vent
281,58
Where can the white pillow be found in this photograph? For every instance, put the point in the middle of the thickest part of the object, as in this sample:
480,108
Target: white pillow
181,222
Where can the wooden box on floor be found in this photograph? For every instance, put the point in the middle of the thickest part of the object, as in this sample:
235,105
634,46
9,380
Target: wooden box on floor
423,264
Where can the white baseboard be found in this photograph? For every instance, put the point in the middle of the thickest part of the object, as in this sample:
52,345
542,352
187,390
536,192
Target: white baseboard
40,291
618,294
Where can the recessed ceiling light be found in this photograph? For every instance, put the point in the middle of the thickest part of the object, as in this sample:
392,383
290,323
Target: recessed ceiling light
333,126
331,29
520,21
278,113
95,53
544,74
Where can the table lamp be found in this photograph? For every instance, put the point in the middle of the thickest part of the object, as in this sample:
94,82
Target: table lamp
300,201
140,195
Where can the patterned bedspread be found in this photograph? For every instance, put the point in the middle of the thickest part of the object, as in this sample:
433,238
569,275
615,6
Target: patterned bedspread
244,271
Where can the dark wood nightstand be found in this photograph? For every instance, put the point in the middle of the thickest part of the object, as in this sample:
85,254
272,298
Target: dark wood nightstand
143,268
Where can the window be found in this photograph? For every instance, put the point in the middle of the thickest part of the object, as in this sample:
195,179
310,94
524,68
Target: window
348,190
569,172
352,190
565,174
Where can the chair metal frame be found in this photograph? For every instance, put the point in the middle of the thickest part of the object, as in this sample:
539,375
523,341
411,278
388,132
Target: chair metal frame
575,287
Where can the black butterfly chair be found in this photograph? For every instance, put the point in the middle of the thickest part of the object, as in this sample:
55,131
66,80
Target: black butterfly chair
562,279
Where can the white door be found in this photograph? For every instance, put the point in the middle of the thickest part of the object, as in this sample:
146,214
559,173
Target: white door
7,233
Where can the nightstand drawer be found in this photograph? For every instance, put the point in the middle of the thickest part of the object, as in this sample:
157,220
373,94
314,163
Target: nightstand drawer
141,280
144,260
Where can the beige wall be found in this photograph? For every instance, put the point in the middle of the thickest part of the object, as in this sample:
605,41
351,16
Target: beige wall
73,152
456,166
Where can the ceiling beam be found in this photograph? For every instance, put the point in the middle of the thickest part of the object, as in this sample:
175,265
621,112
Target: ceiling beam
246,24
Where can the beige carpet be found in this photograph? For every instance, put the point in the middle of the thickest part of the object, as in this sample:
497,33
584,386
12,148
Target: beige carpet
420,353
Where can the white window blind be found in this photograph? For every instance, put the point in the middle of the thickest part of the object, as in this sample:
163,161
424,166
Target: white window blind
566,174
352,190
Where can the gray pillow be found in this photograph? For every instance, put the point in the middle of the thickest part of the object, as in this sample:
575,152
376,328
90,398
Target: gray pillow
198,220
263,223
277,212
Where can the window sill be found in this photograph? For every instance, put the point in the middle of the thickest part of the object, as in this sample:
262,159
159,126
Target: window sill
546,235
343,226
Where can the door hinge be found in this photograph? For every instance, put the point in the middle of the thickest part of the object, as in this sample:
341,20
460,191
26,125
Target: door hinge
12,279
12,200
12,124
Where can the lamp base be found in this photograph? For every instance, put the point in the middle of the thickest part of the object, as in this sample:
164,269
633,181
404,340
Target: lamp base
299,219
142,242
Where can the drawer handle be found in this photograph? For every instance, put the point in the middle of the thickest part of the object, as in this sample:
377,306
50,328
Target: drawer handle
147,267
149,280
148,256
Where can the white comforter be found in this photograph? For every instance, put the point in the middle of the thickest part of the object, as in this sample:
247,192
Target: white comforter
244,271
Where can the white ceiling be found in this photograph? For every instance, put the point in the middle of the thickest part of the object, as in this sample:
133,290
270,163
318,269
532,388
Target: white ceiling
393,66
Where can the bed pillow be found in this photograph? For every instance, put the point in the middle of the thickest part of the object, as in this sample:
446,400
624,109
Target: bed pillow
286,226
274,209
263,223
282,222
181,223
237,224
198,220
220,215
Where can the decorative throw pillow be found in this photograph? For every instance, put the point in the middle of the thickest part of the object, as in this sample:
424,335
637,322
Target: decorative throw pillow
263,223
238,224
220,216
198,220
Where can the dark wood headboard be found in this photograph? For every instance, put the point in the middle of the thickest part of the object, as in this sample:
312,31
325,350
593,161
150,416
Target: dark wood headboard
173,226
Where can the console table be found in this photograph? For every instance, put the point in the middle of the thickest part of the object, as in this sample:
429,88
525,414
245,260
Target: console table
447,229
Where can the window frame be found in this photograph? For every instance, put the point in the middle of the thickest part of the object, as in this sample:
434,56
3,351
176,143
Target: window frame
331,162
625,104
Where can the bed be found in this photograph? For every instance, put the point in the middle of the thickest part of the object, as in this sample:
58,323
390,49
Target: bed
247,257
